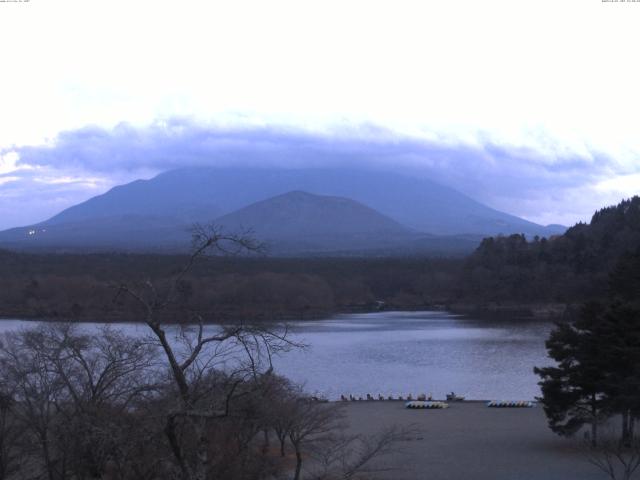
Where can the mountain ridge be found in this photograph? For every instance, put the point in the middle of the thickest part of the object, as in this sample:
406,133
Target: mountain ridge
226,189
155,214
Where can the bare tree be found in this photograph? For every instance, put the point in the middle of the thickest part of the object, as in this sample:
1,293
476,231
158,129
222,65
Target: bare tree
104,368
282,401
311,421
350,457
188,400
618,459
317,431
243,350
37,392
103,376
10,435
71,392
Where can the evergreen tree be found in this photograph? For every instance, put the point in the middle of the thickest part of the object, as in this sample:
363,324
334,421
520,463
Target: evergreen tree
598,360
624,280
573,392
618,333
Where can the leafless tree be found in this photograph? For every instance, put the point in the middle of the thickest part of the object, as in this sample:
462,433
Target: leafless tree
187,400
196,350
350,457
282,400
10,435
311,421
106,367
37,391
104,374
317,431
72,393
617,459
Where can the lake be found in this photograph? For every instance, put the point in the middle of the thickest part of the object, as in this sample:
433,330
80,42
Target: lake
409,352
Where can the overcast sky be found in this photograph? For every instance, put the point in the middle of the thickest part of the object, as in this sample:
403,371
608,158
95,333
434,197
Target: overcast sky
528,106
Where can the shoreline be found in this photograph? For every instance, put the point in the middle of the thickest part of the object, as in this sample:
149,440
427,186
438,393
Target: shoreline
496,311
523,311
449,402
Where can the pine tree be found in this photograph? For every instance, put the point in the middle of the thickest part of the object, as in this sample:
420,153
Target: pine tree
573,392
598,360
618,333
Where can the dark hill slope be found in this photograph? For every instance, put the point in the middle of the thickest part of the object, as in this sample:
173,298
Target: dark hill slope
303,221
131,233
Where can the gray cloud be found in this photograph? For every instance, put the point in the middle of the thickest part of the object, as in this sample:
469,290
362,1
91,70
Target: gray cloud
91,159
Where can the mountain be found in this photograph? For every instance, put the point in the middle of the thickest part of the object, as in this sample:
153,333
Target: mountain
185,195
304,221
295,223
205,193
295,210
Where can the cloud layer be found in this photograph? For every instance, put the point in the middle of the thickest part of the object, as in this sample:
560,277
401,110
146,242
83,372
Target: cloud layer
38,181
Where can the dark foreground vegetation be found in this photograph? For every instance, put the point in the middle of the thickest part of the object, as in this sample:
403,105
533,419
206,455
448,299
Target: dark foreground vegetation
598,360
503,273
595,382
109,406
178,402
567,268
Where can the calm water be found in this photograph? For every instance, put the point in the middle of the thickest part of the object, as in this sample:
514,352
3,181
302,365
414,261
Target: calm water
409,352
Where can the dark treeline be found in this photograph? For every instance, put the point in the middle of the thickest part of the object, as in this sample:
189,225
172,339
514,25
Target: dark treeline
83,286
570,268
508,271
